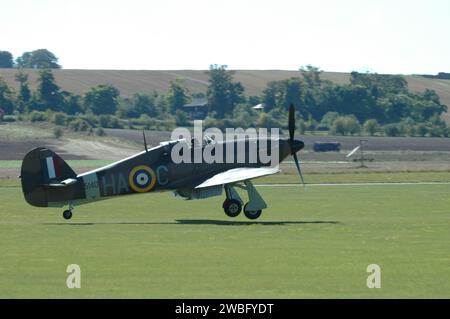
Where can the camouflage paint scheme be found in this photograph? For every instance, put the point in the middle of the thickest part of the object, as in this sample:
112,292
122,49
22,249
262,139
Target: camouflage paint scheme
47,180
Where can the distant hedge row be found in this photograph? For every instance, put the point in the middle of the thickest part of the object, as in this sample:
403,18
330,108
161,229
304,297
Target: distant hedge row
370,103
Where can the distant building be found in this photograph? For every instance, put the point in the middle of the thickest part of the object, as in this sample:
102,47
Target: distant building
259,107
197,109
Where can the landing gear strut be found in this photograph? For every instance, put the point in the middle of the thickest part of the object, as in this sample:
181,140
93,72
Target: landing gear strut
67,214
233,204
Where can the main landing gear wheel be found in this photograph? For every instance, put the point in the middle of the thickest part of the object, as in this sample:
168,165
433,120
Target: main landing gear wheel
252,214
67,214
232,207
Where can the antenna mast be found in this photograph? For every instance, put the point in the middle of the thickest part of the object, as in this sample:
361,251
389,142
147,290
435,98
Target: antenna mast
145,141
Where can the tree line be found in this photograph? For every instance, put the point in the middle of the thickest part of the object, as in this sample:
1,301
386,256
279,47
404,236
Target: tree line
37,59
371,104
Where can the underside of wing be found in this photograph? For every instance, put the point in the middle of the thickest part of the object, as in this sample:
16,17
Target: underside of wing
237,175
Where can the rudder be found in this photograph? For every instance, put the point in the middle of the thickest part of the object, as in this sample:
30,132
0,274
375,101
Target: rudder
40,167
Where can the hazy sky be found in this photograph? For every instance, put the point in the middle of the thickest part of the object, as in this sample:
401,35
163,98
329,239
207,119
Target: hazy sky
384,36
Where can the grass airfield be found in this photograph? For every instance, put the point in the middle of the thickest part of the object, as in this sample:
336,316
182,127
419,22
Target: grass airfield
313,243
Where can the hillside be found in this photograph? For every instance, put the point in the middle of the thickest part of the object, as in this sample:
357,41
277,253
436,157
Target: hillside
254,81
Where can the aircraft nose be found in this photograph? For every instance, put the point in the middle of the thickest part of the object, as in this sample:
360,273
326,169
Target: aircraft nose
297,145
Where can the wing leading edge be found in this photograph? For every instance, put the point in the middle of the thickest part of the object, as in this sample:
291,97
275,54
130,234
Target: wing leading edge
238,175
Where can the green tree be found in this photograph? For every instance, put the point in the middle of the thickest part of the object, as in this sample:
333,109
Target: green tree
6,60
265,120
293,89
161,105
38,59
371,127
59,118
328,119
344,125
311,75
272,95
425,105
311,124
421,130
72,103
353,126
380,84
356,100
102,99
223,93
392,130
177,96
48,91
181,118
24,95
338,127
6,97
301,126
245,114
144,104
281,94
139,104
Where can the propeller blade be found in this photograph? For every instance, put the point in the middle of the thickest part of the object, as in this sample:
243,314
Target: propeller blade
291,126
291,123
297,163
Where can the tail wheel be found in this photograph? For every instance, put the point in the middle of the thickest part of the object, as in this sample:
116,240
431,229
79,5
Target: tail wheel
232,207
67,214
252,214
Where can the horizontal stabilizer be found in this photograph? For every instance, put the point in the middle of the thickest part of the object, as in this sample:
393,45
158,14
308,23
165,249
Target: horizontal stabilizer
64,183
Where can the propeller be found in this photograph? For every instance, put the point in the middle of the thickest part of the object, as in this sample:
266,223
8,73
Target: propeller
291,127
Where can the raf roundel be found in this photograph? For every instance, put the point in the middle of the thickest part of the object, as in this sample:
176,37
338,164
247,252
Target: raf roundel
142,179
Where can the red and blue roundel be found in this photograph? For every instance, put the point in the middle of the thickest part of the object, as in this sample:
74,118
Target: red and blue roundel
142,179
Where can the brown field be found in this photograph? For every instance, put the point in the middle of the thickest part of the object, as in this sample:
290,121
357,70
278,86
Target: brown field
254,81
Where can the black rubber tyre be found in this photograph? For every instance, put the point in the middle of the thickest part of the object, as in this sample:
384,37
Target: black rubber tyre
252,214
232,207
67,214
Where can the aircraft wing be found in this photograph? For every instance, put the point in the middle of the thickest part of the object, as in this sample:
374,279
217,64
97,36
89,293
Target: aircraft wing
237,175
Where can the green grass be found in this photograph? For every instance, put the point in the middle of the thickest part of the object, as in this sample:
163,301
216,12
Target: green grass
363,177
309,244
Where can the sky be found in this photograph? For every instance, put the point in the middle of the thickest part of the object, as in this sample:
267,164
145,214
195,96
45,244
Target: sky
383,36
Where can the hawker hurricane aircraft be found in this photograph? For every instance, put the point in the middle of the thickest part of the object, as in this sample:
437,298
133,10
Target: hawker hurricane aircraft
48,181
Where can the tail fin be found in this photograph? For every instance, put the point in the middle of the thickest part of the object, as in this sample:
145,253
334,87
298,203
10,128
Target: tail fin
41,167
